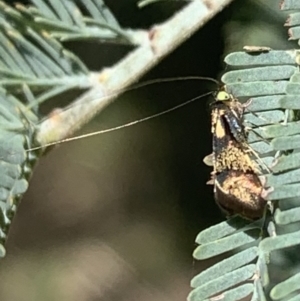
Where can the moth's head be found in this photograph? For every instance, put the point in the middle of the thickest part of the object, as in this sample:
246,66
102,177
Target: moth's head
222,96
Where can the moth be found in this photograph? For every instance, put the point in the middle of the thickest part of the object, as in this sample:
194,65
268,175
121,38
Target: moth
235,176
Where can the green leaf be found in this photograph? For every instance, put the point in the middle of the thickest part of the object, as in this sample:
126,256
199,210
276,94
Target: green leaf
32,58
144,3
221,230
237,293
279,242
260,74
262,118
290,4
222,283
291,102
287,216
16,164
287,162
69,20
286,143
225,244
294,19
279,130
273,57
286,287
284,192
257,88
283,178
264,103
224,266
262,147
293,88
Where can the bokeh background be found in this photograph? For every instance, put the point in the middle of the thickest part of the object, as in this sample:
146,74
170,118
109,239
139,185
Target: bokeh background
114,217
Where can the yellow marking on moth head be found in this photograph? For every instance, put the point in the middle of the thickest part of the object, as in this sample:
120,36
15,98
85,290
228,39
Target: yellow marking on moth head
223,96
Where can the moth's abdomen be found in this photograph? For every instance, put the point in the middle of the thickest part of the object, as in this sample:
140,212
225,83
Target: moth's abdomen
238,192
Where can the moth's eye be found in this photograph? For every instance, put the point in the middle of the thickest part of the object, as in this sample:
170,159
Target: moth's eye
223,96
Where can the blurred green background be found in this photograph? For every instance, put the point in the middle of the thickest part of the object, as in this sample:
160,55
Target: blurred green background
114,217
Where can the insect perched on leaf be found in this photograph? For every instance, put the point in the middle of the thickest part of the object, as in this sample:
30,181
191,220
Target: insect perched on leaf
237,187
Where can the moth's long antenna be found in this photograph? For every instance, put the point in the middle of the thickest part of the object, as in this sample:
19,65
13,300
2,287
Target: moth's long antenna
157,81
171,79
121,126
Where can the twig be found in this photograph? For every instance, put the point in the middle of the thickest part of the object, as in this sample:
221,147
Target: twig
108,84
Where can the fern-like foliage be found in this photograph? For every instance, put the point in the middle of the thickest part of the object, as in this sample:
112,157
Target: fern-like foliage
73,20
35,67
30,56
260,265
16,135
